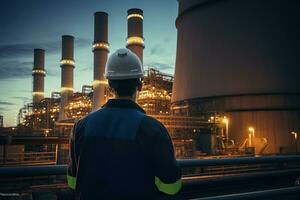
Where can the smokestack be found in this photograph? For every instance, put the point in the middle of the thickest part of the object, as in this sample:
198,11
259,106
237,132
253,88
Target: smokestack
135,40
100,49
67,65
38,73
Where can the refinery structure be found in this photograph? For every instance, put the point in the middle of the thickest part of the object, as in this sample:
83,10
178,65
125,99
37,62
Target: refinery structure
55,116
211,106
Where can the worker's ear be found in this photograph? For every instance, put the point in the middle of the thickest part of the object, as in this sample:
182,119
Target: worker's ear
140,85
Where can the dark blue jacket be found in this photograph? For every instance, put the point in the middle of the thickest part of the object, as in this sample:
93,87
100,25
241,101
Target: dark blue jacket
118,152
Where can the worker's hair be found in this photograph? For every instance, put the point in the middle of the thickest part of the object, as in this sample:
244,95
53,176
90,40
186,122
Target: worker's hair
125,87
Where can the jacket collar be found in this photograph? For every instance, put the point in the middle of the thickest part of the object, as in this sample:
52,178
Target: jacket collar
122,103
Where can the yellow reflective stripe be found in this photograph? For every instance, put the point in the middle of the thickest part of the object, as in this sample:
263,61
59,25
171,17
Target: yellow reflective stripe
71,181
168,188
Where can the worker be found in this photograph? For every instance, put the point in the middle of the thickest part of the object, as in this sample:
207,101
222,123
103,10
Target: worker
119,152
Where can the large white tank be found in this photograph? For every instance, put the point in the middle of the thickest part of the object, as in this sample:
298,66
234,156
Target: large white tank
241,58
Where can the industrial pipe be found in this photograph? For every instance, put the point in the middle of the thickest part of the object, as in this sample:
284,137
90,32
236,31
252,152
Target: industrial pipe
61,169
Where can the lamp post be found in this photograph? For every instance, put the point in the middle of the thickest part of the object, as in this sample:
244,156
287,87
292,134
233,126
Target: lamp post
296,137
225,121
251,135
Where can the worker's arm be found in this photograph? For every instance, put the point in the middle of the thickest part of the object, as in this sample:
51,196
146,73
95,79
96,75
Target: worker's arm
159,149
71,176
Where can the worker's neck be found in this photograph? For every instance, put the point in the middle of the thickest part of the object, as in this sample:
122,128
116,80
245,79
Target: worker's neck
133,97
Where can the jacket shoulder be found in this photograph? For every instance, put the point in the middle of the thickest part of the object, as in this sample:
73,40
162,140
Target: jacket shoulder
151,127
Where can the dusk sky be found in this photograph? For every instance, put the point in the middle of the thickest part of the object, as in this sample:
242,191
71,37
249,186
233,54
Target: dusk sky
30,24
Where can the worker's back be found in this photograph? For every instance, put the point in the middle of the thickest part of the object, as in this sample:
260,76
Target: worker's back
118,152
114,151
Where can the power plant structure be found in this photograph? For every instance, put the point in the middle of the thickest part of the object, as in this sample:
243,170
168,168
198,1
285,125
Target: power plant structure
100,50
38,73
135,39
233,93
55,116
239,59
67,65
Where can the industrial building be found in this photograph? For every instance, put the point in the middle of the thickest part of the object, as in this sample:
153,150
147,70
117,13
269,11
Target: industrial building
239,59
55,116
211,106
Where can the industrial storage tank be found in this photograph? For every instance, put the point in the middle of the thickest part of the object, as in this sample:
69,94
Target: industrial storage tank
240,58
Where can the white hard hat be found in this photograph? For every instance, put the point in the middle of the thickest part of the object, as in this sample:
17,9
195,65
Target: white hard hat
123,64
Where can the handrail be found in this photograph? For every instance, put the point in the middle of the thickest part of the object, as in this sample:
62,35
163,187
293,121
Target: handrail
23,171
273,193
237,161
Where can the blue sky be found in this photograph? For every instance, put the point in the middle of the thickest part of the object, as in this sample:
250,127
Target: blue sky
30,24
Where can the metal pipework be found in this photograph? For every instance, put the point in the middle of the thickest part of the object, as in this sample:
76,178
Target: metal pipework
62,169
38,73
100,50
135,40
67,65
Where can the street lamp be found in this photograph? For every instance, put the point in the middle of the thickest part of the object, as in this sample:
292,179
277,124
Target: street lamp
251,135
225,121
296,137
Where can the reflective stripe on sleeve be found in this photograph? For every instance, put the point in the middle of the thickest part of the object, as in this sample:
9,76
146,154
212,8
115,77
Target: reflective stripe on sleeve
71,181
168,188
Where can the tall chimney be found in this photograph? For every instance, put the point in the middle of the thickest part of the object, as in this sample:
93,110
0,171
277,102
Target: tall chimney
38,73
67,65
135,40
100,49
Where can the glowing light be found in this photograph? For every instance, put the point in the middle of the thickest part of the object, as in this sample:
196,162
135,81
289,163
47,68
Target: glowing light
135,15
101,45
251,130
225,120
99,82
67,62
135,40
295,135
64,89
38,93
38,71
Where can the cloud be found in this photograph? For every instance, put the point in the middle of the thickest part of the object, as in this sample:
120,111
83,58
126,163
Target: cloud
6,103
24,50
22,98
14,69
52,72
86,69
157,50
4,109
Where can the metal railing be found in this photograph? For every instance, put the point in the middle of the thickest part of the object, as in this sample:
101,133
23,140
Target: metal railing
199,184
281,193
183,163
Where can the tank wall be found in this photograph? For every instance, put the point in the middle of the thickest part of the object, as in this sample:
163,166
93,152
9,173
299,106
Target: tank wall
236,47
273,116
275,126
